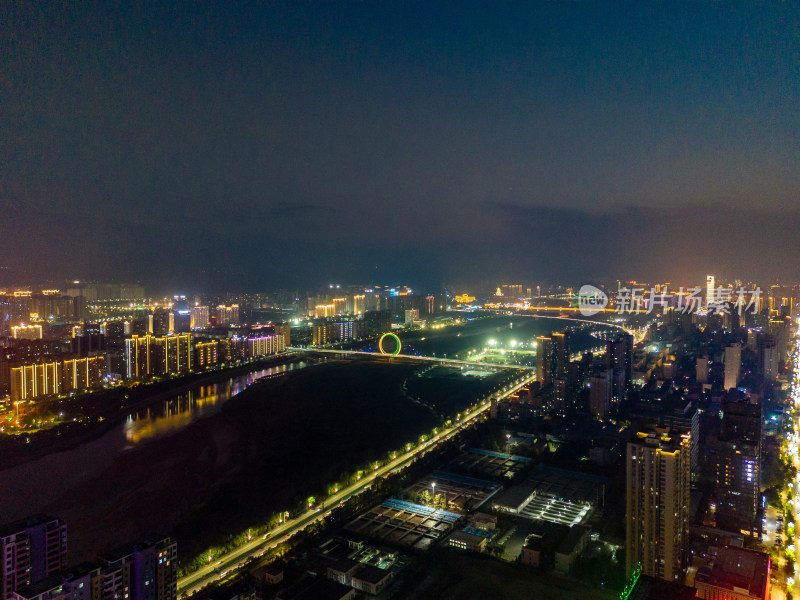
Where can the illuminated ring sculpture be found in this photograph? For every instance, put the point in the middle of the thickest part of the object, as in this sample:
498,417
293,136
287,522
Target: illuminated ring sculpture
397,339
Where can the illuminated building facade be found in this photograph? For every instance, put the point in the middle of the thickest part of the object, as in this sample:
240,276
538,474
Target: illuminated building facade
562,353
206,354
200,317
324,310
657,501
177,354
137,356
232,349
32,381
323,334
228,315
733,365
359,304
544,360
284,330
346,330
511,290
149,355
26,332
710,290
83,373
339,306
264,345
49,376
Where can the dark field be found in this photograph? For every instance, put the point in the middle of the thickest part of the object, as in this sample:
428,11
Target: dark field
270,448
447,573
456,340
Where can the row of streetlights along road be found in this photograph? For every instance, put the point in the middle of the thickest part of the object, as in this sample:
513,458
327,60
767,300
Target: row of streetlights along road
257,547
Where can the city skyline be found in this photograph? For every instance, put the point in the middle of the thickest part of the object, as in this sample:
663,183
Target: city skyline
362,299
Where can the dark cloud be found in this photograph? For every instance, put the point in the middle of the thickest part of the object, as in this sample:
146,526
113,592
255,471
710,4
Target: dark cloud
266,142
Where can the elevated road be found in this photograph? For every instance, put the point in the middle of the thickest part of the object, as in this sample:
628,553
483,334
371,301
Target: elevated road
448,361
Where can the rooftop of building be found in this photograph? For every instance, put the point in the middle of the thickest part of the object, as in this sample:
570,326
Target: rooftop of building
468,536
316,589
40,587
572,538
23,524
738,568
661,438
344,565
651,588
128,549
372,574
515,496
79,570
546,536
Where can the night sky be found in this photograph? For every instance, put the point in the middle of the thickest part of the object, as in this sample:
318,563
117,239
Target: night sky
296,144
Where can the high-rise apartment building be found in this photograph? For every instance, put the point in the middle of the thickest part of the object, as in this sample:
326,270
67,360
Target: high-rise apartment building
359,304
324,310
284,330
83,373
144,571
228,315
657,502
34,380
206,354
162,322
738,466
324,334
733,365
199,317
600,393
150,355
339,306
264,345
377,322
82,582
561,351
30,550
710,290
619,358
544,360
767,357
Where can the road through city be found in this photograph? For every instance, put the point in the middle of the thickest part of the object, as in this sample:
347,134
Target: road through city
219,566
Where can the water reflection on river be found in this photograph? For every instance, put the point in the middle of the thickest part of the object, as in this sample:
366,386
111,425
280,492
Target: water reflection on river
38,483
175,414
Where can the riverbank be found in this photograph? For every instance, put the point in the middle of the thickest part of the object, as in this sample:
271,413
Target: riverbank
100,412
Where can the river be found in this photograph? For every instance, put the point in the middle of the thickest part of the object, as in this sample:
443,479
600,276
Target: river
37,483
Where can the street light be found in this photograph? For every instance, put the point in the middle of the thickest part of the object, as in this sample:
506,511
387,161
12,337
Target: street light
433,492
